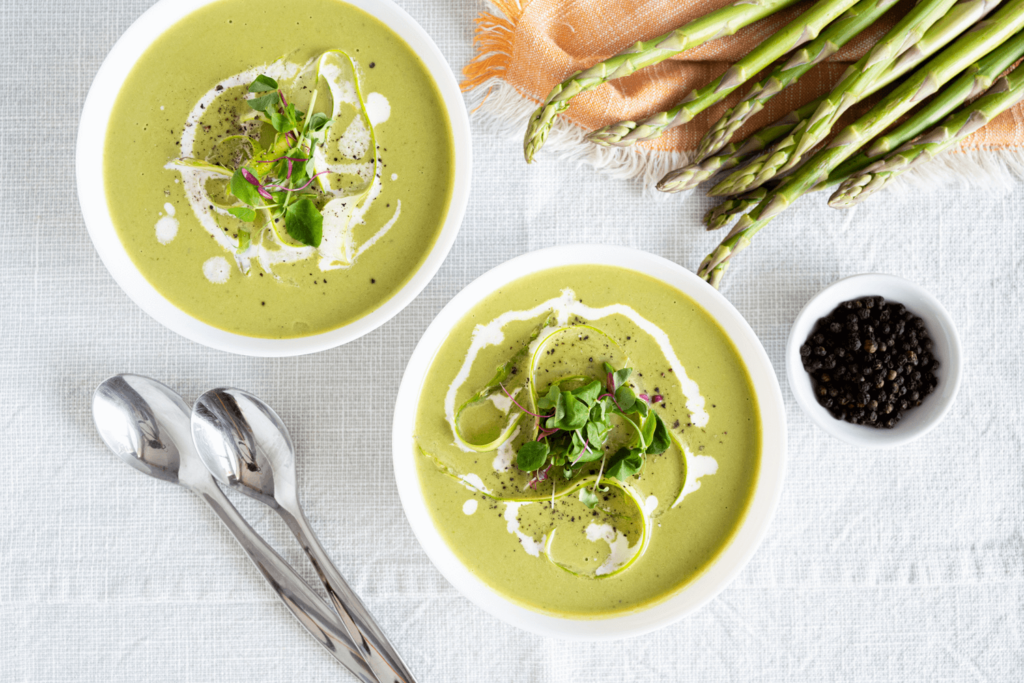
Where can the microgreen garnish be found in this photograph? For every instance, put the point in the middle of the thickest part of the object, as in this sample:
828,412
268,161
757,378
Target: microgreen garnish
588,497
243,213
246,187
280,179
574,425
263,84
304,222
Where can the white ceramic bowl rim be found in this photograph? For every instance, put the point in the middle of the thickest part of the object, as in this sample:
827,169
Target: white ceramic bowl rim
916,422
733,557
89,174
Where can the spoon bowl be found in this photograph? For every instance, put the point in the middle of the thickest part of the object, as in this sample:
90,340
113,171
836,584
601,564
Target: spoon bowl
142,421
244,444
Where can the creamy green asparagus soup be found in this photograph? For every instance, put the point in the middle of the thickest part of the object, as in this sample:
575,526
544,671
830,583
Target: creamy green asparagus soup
278,168
587,440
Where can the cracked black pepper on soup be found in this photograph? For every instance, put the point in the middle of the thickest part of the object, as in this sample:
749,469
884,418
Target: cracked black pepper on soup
870,361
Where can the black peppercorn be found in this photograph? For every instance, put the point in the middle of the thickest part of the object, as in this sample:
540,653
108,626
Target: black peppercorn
869,361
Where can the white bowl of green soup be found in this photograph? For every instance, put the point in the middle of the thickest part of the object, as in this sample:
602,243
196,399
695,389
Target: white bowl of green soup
273,177
589,442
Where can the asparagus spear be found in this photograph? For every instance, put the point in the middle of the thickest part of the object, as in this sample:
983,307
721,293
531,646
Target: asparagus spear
783,157
797,32
694,174
722,22
971,46
762,168
1007,91
848,26
719,216
733,154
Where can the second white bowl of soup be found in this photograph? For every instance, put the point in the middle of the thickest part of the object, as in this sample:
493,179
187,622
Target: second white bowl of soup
589,442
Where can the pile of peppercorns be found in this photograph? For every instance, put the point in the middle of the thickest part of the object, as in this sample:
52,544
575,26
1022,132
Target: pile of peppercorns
870,361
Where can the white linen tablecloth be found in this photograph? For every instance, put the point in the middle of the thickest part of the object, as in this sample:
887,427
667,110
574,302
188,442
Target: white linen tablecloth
903,565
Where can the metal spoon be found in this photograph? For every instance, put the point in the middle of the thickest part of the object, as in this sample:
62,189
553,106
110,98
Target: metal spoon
246,446
146,424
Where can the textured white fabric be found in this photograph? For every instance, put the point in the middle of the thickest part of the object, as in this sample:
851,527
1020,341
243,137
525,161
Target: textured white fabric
903,565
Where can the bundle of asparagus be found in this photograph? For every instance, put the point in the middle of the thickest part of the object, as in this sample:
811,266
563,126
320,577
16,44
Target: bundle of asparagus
942,51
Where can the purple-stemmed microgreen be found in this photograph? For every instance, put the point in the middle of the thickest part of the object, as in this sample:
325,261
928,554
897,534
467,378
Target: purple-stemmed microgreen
250,178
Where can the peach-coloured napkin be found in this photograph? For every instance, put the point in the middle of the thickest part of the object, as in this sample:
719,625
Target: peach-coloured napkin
526,47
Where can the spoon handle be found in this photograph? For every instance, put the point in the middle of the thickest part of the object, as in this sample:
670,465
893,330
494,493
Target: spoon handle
371,642
308,607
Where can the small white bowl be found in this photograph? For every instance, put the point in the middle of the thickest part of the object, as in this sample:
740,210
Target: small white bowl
92,131
733,557
916,422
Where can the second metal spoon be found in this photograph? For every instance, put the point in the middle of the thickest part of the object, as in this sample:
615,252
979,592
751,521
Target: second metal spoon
246,446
